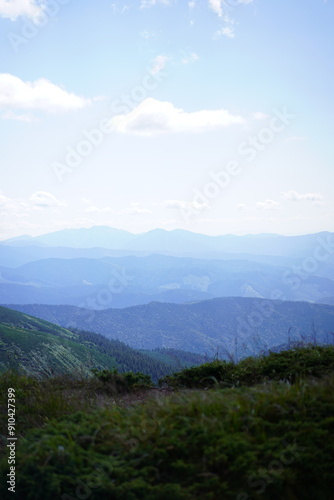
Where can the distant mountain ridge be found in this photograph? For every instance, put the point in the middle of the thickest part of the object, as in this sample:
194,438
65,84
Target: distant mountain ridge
237,325
96,236
177,241
103,267
125,281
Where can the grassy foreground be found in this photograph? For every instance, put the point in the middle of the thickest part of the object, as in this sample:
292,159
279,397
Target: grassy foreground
269,441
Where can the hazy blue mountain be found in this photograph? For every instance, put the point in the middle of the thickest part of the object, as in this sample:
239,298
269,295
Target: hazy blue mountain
15,256
126,281
177,242
97,236
181,242
23,240
328,300
239,326
165,266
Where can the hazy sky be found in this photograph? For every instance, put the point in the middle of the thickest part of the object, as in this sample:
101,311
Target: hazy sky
211,116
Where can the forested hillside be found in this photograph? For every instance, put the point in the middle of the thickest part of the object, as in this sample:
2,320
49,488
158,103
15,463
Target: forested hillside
236,326
40,348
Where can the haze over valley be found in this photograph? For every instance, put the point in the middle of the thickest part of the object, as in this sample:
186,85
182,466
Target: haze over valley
176,289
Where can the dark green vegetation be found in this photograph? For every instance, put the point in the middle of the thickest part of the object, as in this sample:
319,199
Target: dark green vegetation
40,348
176,357
270,440
37,347
288,366
12,318
122,382
40,400
240,326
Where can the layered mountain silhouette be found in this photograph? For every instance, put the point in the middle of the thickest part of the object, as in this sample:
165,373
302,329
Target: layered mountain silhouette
238,326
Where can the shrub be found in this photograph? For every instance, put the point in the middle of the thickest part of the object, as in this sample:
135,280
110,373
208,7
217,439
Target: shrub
286,365
40,400
271,441
115,382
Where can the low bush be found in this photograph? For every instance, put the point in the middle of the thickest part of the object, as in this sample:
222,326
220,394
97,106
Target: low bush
39,400
272,441
115,383
286,365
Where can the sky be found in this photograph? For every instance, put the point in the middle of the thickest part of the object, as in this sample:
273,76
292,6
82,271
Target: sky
208,115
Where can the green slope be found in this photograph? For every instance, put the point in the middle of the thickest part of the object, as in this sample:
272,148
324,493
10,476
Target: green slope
46,351
40,353
38,347
17,319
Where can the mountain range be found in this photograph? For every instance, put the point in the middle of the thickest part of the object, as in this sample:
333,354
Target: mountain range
224,326
126,281
177,242
175,289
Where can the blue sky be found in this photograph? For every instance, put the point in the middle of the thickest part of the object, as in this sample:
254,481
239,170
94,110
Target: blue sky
211,116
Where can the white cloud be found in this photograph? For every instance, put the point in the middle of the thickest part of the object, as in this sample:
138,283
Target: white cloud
269,205
117,9
317,198
185,205
3,200
10,206
216,6
86,201
153,117
136,209
12,9
190,59
159,63
242,206
228,31
223,10
38,95
20,207
96,210
43,199
149,3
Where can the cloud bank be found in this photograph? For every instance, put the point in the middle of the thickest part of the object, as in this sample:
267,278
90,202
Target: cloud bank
38,95
154,117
